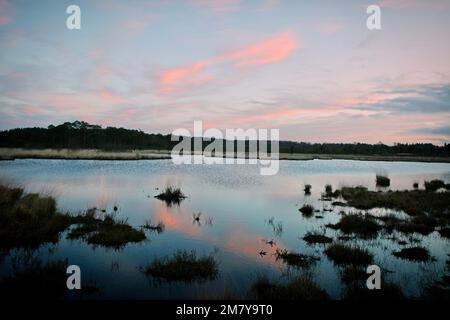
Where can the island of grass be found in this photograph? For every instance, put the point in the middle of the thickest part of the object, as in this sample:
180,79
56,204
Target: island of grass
345,255
171,195
382,181
316,237
183,266
106,231
307,210
413,254
29,220
362,225
296,259
415,202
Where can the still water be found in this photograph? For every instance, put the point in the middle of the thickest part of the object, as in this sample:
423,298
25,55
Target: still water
237,206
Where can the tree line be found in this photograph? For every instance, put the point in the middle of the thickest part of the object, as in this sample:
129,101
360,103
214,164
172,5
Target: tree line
82,135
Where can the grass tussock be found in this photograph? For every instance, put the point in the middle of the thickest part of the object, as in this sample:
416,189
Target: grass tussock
106,231
183,266
315,237
307,210
307,189
298,289
416,202
342,254
362,225
328,190
158,228
296,259
382,181
28,220
434,185
413,254
171,195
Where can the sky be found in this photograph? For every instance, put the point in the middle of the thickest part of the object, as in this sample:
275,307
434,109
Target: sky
311,69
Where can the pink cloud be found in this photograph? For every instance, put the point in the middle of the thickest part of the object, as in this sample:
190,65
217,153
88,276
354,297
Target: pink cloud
265,52
109,96
32,110
178,79
268,51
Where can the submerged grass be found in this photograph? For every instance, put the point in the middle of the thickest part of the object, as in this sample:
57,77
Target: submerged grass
183,266
296,259
301,288
158,228
342,254
413,254
362,225
316,237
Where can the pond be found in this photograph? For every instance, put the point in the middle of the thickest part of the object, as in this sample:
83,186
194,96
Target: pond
245,218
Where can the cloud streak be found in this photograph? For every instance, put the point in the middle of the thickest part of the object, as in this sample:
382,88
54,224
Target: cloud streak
268,51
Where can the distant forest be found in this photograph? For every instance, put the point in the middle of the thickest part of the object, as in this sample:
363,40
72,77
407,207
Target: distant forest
82,135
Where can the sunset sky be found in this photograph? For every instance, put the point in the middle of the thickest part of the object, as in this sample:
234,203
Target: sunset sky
310,68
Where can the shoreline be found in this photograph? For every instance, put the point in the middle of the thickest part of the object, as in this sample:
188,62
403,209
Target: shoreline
94,154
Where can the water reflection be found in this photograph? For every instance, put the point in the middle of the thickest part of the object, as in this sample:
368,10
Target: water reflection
244,218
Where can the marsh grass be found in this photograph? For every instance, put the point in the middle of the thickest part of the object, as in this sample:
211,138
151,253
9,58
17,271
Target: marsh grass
28,220
183,266
307,189
307,210
362,225
171,196
416,202
422,224
434,185
158,228
413,254
301,288
382,181
316,237
342,254
107,231
296,259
